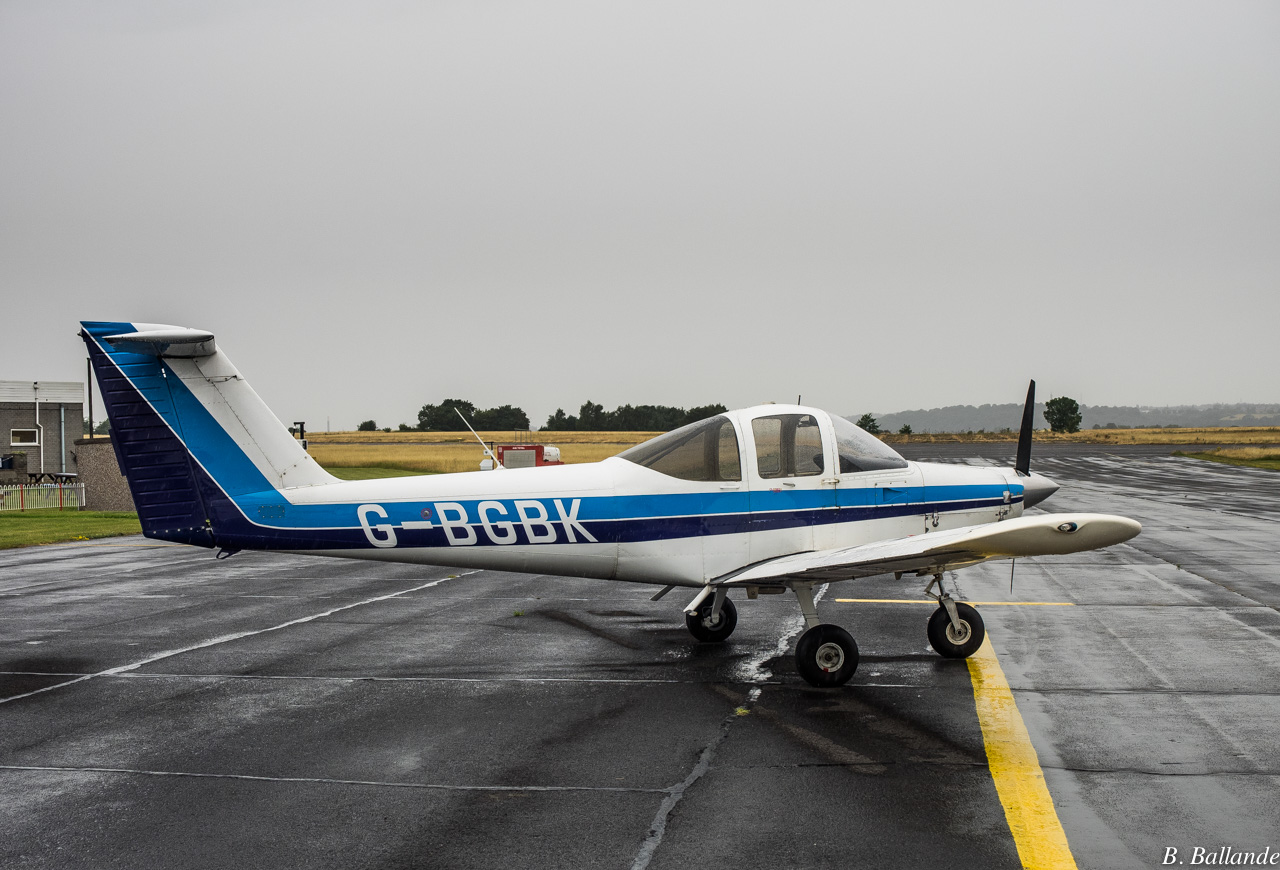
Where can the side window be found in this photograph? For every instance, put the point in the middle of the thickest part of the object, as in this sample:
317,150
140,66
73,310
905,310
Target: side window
706,450
727,452
788,445
768,432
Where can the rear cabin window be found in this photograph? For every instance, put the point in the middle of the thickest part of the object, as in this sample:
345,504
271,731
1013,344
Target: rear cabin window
706,450
788,445
862,451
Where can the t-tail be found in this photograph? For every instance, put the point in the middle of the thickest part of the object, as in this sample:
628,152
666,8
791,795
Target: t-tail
190,434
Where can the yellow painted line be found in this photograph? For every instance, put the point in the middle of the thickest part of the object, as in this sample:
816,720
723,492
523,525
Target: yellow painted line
1015,767
979,603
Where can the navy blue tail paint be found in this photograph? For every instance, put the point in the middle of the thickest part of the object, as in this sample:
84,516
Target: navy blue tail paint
157,465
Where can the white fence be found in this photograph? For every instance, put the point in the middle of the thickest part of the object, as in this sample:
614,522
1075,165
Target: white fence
41,496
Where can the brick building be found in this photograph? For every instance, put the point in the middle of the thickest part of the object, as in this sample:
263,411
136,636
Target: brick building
47,438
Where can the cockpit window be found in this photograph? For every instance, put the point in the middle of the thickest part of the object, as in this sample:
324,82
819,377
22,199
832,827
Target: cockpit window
788,445
706,450
860,451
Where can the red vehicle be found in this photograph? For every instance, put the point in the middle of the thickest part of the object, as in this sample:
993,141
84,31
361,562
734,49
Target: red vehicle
524,455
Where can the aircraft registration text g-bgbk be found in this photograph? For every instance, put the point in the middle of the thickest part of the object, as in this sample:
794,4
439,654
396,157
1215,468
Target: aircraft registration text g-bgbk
522,521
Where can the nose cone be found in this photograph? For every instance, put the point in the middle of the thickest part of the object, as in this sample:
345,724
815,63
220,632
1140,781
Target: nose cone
1036,488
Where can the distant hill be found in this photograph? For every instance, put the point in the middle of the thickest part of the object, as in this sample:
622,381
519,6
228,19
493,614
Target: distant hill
993,418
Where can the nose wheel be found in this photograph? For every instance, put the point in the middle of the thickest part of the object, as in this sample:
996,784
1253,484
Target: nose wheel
708,626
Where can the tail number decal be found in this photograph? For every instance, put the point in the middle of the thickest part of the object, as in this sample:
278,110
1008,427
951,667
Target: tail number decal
372,532
498,520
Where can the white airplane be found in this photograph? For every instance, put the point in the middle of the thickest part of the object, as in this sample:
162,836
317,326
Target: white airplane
753,502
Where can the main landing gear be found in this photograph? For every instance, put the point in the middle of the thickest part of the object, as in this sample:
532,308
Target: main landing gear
826,655
955,628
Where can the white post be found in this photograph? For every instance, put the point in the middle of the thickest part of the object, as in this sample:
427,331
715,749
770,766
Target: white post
35,385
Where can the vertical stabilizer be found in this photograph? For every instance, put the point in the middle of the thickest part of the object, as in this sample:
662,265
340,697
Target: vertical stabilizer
191,433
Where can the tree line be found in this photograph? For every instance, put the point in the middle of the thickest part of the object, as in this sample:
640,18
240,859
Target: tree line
591,417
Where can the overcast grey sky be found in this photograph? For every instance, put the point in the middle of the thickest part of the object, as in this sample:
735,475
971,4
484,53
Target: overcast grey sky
878,206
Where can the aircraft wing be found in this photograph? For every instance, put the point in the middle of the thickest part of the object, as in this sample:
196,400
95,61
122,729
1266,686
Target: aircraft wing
1044,535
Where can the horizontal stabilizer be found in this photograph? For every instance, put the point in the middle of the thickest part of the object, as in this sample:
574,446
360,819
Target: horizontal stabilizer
165,341
1046,535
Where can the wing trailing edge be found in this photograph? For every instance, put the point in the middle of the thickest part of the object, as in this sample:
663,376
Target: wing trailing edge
1049,535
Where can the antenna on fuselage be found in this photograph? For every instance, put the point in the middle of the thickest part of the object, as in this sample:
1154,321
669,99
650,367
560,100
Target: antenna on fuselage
487,451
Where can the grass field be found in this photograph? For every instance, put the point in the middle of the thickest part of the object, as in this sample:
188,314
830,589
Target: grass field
504,436
1252,457
371,473
25,528
459,455
437,452
1220,435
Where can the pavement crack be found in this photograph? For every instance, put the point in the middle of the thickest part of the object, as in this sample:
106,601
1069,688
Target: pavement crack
321,780
674,793
1168,769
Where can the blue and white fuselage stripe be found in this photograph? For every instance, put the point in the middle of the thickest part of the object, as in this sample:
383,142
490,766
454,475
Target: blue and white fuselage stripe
248,485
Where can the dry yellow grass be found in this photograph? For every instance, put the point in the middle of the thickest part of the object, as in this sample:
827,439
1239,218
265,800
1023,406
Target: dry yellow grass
1221,435
505,436
458,451
1248,452
462,455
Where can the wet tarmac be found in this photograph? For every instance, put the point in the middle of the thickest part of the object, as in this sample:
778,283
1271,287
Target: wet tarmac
162,709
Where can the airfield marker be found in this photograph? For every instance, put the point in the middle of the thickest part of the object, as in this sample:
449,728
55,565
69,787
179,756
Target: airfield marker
1015,768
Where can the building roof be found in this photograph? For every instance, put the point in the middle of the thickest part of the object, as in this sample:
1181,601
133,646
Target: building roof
64,392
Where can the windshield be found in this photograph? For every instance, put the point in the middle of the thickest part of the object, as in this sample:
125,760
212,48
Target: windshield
860,451
706,450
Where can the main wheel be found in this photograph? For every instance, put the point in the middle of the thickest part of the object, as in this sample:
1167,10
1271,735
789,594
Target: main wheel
826,656
712,630
949,642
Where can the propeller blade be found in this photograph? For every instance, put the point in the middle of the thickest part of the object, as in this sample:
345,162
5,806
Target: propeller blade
1023,463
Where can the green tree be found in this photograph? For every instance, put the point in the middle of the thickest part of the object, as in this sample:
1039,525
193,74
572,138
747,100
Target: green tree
905,430
1062,414
591,417
442,417
867,422
502,417
703,412
367,426
558,422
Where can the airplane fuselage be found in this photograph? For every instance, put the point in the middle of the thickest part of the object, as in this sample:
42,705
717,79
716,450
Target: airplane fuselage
619,520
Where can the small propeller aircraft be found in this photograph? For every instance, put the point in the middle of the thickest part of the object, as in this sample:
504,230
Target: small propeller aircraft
756,501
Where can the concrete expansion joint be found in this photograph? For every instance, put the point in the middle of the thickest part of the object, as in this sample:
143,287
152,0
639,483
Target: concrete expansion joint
319,780
1169,771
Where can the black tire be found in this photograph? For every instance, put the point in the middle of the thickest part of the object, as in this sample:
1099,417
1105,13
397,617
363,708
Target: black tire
943,637
826,656
701,626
